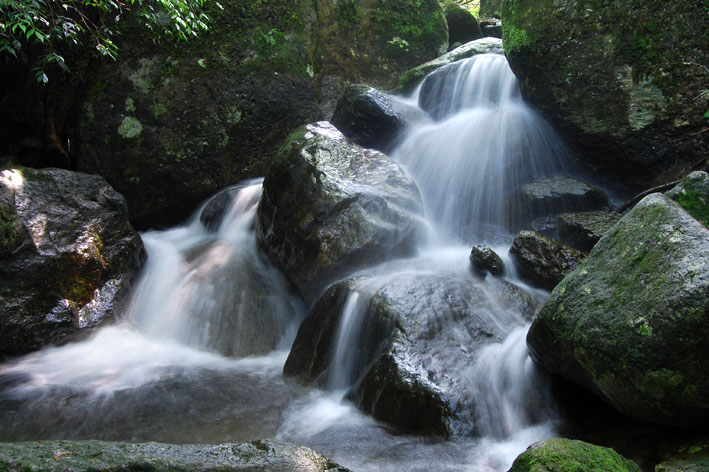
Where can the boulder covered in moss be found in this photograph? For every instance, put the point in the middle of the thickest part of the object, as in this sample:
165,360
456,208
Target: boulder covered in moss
622,81
692,194
462,25
330,206
68,256
631,323
562,455
105,456
168,127
582,230
543,261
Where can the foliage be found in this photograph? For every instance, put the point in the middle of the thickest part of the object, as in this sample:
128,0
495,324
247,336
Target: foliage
473,6
42,29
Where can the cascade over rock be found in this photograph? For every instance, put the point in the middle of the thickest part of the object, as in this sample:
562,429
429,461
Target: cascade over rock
483,259
560,455
621,81
330,206
68,253
169,127
406,361
632,322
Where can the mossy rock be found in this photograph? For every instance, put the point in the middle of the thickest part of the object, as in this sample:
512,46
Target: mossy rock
692,194
691,456
622,81
462,25
568,455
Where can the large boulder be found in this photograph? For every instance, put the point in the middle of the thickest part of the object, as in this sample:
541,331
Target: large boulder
105,456
561,455
401,353
69,256
543,261
632,322
692,194
330,206
462,25
168,127
621,81
582,230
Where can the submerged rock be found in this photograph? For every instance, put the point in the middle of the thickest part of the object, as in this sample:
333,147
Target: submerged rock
632,322
105,456
68,253
374,119
406,338
692,194
583,230
330,206
543,261
485,260
462,25
561,455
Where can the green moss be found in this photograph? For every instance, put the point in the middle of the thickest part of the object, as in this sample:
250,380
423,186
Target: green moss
130,127
694,203
566,455
11,230
514,39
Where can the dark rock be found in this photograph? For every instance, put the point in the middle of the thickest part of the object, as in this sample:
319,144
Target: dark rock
543,261
69,256
615,79
692,194
491,28
410,333
632,322
485,260
551,196
105,456
692,456
462,25
373,119
583,230
330,206
413,77
561,455
213,212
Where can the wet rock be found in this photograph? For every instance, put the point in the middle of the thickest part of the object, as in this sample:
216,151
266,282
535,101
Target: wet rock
543,261
551,196
560,455
462,25
583,230
607,76
631,324
692,194
69,256
408,334
491,28
413,77
98,456
692,456
213,212
330,206
373,119
486,260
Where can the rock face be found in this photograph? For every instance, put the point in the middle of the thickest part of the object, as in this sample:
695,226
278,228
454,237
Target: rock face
617,80
413,77
373,119
632,322
330,206
543,261
403,348
105,456
484,259
692,194
168,127
68,255
583,230
462,25
560,455
689,457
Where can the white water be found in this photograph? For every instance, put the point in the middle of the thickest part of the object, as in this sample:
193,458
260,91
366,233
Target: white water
164,376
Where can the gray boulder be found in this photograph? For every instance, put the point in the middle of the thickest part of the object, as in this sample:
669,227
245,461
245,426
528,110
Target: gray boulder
541,260
484,259
69,256
105,456
632,322
561,455
692,194
330,206
583,230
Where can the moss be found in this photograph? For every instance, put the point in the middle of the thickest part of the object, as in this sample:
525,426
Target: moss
11,230
130,127
514,39
694,203
566,455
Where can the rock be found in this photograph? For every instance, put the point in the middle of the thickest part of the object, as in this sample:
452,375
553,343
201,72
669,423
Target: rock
462,25
616,80
413,77
405,347
169,127
213,212
491,28
485,260
330,206
543,261
583,230
374,119
561,455
689,457
551,196
98,456
69,256
692,194
631,323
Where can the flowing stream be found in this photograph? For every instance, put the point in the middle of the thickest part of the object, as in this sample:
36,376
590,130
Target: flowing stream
199,355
